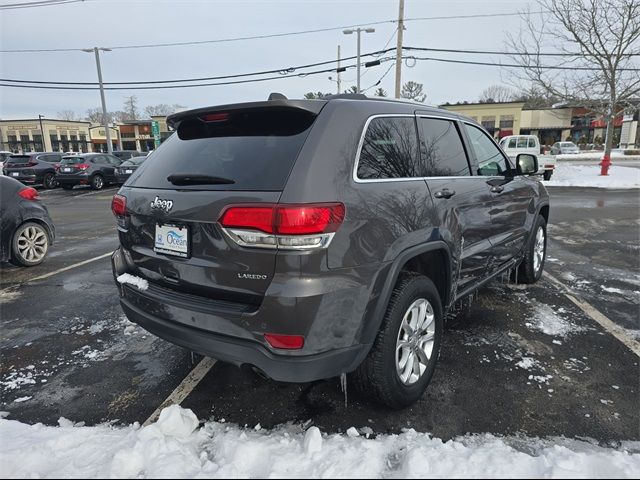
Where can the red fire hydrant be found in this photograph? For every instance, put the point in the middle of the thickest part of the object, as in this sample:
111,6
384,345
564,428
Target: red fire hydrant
605,164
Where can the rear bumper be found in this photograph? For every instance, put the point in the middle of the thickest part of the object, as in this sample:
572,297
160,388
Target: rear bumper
299,369
233,333
72,179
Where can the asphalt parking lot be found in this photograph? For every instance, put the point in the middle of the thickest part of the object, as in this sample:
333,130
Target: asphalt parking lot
526,359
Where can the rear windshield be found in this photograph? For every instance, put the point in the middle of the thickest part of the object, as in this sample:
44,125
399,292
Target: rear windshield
19,159
133,161
72,160
256,149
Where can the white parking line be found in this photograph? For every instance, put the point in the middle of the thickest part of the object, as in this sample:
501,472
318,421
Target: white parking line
614,329
183,390
70,267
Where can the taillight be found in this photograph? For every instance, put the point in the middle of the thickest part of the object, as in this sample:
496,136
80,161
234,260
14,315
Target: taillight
29,193
83,166
215,117
291,227
285,342
119,205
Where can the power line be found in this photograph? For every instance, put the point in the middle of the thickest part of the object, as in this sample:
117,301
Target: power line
162,87
42,3
273,35
516,65
283,71
532,54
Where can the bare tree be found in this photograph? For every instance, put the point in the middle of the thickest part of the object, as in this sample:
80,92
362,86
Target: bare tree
162,109
131,108
600,43
413,91
315,95
94,115
496,93
68,115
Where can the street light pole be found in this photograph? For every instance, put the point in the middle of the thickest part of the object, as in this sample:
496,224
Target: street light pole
105,120
40,117
358,31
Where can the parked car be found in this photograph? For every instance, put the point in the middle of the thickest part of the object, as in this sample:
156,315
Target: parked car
306,239
564,148
513,145
26,229
126,168
4,155
94,169
34,168
127,154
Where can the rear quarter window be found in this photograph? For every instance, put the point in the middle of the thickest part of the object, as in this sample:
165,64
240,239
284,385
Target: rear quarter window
256,149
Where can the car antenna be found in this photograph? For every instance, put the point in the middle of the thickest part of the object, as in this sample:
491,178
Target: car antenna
277,96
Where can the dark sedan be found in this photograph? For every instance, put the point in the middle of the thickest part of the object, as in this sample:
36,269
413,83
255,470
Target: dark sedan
93,169
34,168
127,154
126,169
26,229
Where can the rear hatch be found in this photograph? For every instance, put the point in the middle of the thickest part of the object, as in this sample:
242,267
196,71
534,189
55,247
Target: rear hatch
245,156
19,165
72,165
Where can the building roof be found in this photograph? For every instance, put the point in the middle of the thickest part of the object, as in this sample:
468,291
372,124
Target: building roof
43,120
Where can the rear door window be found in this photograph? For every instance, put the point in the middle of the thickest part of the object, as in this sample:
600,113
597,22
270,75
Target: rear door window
522,142
390,149
442,151
256,149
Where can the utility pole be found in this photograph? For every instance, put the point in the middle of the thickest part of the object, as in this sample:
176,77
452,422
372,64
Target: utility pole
44,145
399,49
105,120
339,91
359,32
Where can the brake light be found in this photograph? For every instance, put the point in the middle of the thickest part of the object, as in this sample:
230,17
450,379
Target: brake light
214,117
119,205
29,193
283,226
285,342
31,164
83,166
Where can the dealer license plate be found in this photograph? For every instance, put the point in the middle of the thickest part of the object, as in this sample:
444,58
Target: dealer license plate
172,240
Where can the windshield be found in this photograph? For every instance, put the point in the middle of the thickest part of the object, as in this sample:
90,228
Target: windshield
256,149
72,160
19,159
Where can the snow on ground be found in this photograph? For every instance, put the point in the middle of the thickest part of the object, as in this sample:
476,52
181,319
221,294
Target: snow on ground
589,176
546,320
141,283
595,155
175,447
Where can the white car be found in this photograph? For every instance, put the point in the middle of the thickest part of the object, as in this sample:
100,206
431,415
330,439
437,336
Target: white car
564,148
514,145
3,157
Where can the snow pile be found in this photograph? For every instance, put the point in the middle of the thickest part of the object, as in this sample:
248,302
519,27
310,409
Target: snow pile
547,321
589,176
141,283
175,448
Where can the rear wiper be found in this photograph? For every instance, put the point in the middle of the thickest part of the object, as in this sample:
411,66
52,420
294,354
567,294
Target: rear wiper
196,179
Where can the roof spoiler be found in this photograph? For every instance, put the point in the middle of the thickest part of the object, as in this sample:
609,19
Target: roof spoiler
311,106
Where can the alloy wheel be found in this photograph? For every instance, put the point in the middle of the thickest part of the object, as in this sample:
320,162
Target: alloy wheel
33,244
539,250
416,340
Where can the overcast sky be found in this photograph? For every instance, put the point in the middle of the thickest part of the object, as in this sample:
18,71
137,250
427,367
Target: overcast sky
120,23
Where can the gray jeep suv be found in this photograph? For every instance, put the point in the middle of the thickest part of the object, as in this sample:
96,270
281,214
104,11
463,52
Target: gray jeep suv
311,238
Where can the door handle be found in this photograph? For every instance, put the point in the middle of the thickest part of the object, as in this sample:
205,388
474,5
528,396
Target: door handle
497,189
446,193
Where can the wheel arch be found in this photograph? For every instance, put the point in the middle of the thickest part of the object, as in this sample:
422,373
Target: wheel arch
432,260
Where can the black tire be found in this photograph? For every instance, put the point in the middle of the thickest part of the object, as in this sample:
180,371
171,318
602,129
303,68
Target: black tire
66,186
97,182
547,175
529,270
49,181
21,258
378,378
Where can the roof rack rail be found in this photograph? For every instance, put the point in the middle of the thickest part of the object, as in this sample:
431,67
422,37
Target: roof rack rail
277,96
348,96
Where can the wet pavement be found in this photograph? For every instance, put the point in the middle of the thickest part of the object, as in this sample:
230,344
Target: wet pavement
525,359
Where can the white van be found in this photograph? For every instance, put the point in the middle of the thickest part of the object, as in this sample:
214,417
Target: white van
513,145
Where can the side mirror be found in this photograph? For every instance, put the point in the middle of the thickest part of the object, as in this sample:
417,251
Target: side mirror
526,164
